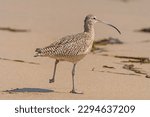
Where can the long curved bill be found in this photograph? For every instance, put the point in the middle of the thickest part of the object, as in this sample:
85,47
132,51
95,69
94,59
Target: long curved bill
110,25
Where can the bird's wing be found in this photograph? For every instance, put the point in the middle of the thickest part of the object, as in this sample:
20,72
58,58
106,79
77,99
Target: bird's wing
67,46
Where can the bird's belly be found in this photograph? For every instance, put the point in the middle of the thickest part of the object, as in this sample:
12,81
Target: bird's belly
73,59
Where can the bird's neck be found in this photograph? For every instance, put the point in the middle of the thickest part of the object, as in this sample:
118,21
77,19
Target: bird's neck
89,28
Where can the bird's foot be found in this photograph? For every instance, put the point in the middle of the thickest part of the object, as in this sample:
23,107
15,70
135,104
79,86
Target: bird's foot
51,80
74,92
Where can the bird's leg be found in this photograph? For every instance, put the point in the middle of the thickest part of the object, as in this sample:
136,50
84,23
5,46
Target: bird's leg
73,86
73,73
53,79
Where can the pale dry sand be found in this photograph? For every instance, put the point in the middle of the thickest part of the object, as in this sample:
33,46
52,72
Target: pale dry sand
49,20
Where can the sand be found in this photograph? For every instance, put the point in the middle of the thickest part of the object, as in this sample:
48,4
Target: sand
24,77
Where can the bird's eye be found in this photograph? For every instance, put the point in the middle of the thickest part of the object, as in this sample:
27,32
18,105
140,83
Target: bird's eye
94,18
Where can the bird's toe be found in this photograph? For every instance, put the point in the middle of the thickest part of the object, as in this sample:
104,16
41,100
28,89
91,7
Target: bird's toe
51,80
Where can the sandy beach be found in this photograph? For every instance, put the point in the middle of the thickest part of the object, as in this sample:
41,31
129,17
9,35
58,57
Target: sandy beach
27,25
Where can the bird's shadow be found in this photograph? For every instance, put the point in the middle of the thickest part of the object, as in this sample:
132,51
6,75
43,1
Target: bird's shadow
29,90
34,90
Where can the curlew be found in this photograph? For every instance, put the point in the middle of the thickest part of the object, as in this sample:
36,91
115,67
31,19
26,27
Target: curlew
72,48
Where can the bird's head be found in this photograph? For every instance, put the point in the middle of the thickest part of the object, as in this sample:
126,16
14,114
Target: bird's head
91,20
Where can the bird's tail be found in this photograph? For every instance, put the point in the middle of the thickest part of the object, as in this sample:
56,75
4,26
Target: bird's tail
38,52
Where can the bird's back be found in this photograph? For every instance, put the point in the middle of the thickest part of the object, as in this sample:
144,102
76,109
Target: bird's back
68,47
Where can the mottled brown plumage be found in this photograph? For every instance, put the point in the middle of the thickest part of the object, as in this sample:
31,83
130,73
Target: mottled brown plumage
67,48
71,48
